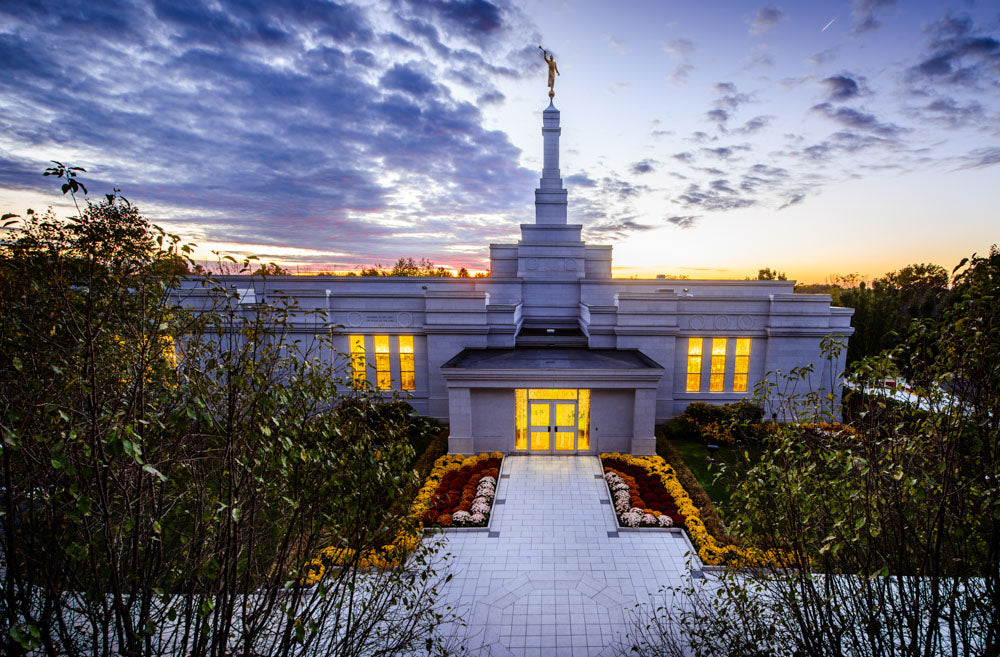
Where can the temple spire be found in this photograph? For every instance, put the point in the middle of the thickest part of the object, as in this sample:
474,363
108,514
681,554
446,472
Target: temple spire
550,197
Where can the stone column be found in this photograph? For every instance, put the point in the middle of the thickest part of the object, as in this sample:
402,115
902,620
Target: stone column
460,421
644,422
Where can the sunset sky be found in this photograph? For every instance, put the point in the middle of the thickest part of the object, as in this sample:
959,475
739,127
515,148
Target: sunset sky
705,139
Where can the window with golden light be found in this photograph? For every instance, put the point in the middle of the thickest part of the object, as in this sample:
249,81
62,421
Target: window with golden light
383,377
694,365
717,378
742,368
406,366
357,343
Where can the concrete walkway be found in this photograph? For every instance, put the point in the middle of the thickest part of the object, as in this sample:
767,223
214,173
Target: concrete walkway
553,576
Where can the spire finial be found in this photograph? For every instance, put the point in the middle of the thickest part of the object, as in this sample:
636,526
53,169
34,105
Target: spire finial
553,70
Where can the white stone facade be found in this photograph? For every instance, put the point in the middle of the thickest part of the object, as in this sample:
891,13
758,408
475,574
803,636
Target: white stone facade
552,318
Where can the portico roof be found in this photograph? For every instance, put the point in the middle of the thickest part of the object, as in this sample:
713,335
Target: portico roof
551,358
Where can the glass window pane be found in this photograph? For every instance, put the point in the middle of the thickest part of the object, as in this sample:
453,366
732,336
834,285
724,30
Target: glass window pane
583,422
383,378
694,365
357,343
539,415
740,383
551,393
407,380
540,440
564,440
521,418
565,415
718,366
742,346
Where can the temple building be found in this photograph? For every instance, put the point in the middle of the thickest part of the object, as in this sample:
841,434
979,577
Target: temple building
551,355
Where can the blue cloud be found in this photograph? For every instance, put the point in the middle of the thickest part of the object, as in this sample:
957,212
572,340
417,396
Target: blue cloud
270,122
403,77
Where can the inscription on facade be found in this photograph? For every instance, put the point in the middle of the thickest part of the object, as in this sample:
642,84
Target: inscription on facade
357,319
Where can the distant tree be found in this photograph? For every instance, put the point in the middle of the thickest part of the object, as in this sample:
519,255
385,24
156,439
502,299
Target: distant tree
882,536
768,274
463,273
884,310
408,267
270,269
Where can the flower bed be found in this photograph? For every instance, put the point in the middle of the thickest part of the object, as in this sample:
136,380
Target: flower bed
459,491
639,497
448,472
709,551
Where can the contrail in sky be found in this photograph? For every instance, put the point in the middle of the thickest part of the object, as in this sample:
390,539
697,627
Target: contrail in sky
828,24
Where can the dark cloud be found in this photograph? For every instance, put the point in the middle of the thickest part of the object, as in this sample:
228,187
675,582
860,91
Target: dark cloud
729,96
863,13
717,115
794,199
270,123
683,157
403,77
841,87
957,55
951,113
472,19
684,220
981,157
856,119
766,19
722,152
643,166
717,197
580,180
752,126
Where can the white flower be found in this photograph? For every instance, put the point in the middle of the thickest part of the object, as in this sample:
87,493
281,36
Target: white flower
631,518
461,518
479,506
489,480
478,518
648,520
666,521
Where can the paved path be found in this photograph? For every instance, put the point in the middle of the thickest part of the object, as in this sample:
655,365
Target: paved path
554,576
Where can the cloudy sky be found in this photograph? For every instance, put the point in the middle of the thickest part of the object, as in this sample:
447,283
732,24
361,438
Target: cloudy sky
699,138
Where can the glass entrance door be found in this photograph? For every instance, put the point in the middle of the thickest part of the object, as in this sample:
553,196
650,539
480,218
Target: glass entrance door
552,421
552,425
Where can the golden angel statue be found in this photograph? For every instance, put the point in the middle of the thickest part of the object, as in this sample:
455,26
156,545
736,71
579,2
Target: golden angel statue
553,70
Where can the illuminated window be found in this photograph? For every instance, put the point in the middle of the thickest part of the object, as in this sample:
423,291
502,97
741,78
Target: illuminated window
742,364
383,378
583,422
694,365
406,369
357,358
551,393
716,381
521,418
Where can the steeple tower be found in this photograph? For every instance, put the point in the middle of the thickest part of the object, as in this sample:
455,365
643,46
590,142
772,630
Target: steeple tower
550,196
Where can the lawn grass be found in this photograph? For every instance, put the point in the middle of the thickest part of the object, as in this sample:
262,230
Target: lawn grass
695,454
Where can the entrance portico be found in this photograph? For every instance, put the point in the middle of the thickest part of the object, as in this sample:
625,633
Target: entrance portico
552,400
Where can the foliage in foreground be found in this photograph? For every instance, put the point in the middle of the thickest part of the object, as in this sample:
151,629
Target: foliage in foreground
891,527
166,474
